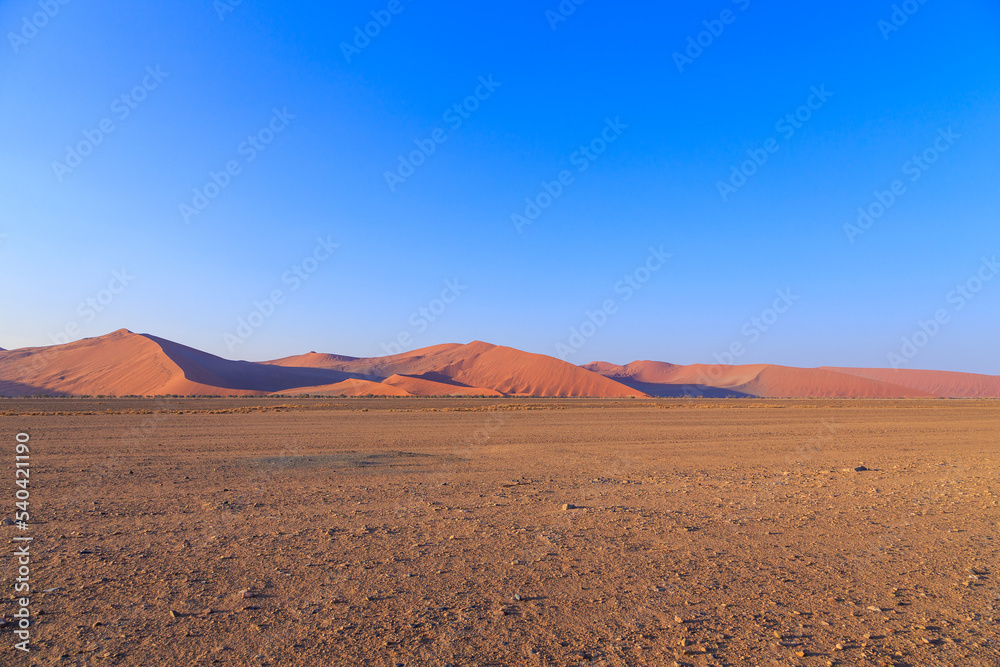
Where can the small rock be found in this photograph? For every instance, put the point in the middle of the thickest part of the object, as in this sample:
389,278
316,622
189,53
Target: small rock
570,506
174,614
7,522
247,593
874,608
517,597
860,469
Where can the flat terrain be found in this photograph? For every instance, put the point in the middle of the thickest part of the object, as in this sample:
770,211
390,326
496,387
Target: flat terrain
432,532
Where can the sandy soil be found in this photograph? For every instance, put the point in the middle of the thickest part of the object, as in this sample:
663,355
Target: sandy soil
391,532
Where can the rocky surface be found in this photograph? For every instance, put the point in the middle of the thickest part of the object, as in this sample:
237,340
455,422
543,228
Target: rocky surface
510,532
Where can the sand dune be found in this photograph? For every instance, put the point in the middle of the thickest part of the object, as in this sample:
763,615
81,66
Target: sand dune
484,366
120,363
124,363
760,380
946,384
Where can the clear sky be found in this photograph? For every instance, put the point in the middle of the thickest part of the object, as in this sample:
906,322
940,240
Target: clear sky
715,153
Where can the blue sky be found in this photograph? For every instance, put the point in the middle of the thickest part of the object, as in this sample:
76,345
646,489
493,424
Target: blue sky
308,119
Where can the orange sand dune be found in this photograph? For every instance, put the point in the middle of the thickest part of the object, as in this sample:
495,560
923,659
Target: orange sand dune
424,386
123,363
762,380
351,387
120,363
945,384
482,365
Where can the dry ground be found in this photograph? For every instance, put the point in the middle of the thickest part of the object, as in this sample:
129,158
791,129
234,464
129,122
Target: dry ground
432,532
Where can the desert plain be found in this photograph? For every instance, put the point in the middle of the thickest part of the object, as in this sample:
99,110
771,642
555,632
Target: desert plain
508,531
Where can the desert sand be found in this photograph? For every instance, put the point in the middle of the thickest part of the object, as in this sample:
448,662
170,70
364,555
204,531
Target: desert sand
510,531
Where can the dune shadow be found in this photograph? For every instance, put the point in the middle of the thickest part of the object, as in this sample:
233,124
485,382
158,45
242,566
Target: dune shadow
681,390
208,369
11,389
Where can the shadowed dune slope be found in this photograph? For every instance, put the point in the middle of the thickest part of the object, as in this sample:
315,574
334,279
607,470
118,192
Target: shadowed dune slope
208,369
351,387
426,386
